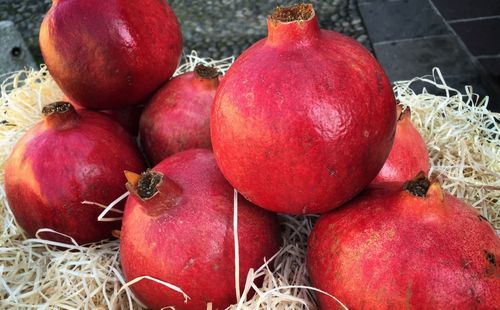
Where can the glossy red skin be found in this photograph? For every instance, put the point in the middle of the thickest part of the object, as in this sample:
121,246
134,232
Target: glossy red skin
388,249
408,155
191,244
178,117
112,59
303,120
51,171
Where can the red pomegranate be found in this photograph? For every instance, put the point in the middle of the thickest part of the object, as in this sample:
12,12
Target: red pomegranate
408,155
110,54
70,157
411,247
304,119
178,116
178,227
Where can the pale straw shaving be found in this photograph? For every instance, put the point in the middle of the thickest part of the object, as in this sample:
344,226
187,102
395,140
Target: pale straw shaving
463,143
236,247
22,97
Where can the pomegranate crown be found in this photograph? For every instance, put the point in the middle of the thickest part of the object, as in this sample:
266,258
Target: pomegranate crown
421,186
206,72
56,107
418,186
294,13
145,185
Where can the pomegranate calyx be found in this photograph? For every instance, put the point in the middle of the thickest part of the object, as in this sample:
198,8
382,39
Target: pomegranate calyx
132,178
116,233
399,111
294,13
436,190
60,115
418,186
296,25
59,107
206,72
404,115
147,185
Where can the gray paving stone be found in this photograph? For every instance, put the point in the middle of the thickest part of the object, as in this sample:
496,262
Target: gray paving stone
403,19
453,9
482,36
492,66
416,57
14,55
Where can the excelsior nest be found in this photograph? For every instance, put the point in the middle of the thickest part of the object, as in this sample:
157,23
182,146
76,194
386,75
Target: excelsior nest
463,139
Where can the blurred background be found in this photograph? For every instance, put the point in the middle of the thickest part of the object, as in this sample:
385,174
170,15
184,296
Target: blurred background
409,37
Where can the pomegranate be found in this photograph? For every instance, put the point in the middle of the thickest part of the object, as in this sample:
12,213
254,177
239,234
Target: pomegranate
178,116
70,157
112,59
304,119
178,227
405,247
408,155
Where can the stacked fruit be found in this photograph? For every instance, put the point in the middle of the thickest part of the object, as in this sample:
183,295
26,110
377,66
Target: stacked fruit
304,122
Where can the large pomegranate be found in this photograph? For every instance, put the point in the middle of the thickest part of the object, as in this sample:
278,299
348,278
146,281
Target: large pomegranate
70,157
109,54
178,116
408,155
411,247
178,227
304,119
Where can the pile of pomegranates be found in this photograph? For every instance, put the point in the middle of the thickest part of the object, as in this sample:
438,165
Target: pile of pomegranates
305,121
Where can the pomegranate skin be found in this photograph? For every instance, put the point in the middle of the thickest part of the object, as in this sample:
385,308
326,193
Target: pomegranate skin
303,120
408,155
190,243
112,59
389,249
178,117
64,160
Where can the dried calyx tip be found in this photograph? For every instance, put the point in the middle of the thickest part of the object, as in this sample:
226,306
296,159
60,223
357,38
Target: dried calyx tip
148,183
206,72
56,107
399,110
403,113
298,12
418,186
